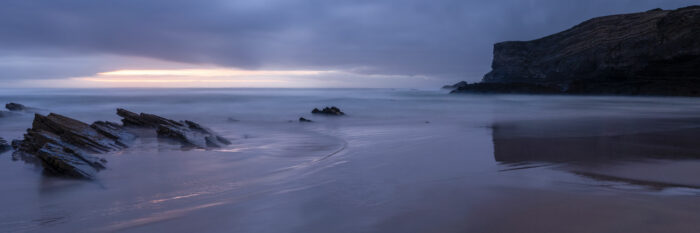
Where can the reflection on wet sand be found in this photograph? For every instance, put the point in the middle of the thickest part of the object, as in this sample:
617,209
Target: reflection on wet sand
656,153
545,211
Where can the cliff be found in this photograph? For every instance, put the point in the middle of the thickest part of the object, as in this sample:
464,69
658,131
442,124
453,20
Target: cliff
651,53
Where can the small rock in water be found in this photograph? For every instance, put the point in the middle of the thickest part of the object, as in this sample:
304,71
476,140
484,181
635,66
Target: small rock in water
15,107
231,119
332,111
301,119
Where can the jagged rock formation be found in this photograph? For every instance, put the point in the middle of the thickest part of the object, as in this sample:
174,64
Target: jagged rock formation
650,53
64,146
188,133
331,111
67,147
4,146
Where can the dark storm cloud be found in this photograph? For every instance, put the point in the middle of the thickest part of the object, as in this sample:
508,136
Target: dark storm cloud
450,39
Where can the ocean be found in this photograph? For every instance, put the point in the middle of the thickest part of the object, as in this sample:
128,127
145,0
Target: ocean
401,160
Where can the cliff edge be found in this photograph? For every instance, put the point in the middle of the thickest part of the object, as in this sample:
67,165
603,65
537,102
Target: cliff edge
651,53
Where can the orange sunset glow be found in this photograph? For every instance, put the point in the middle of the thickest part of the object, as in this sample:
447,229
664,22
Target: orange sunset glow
209,72
203,77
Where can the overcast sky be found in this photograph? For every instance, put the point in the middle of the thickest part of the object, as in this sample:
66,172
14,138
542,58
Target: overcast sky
354,43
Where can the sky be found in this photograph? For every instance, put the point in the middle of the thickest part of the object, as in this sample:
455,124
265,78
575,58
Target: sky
275,43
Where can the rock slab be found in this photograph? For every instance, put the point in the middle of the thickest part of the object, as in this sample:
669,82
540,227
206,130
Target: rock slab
65,146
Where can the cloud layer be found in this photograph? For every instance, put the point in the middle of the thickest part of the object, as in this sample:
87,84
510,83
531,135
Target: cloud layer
448,40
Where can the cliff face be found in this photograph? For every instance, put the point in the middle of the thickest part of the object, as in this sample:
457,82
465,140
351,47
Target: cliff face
655,52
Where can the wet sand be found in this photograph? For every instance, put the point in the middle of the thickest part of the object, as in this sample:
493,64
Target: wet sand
659,152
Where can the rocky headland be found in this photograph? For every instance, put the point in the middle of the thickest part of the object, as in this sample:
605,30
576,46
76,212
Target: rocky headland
650,53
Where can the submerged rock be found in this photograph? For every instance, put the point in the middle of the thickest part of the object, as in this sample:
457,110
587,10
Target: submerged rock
301,119
64,146
4,146
187,133
15,107
331,111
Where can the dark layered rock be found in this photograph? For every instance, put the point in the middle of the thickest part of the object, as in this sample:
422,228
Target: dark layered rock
187,133
77,133
15,107
456,85
330,111
650,53
66,147
301,119
145,119
4,146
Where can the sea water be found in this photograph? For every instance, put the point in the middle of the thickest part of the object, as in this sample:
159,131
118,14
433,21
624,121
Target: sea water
400,161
